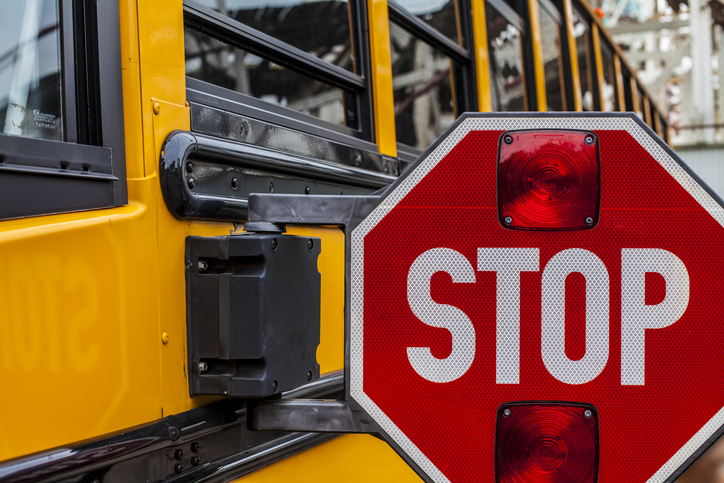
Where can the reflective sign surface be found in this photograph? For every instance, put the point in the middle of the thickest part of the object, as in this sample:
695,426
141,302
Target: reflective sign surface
454,315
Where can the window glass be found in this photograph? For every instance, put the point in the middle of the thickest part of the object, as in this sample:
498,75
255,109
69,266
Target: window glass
652,115
609,78
30,70
505,53
422,80
216,62
320,28
627,89
552,61
640,112
582,34
441,15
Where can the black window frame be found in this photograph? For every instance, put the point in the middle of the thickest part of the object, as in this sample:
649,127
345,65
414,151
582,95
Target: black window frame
356,86
461,55
86,170
626,75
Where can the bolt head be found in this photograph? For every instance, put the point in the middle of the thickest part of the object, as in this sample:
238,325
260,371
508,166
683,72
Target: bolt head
189,166
203,265
589,221
307,190
506,413
508,220
156,108
310,243
588,413
195,447
178,454
203,367
191,183
309,375
178,467
234,183
275,244
165,338
195,461
275,386
589,140
508,139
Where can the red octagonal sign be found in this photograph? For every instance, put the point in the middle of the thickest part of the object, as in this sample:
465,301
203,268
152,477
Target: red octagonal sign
460,309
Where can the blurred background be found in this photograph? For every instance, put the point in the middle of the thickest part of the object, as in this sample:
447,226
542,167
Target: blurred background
678,48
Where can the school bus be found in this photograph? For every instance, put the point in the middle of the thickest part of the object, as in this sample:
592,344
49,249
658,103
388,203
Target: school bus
130,126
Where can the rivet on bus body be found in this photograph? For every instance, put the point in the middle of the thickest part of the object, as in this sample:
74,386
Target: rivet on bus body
164,338
156,107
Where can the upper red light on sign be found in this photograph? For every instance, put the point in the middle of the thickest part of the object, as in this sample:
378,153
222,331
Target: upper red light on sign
548,180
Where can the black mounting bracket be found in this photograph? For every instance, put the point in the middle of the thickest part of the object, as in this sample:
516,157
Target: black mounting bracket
289,413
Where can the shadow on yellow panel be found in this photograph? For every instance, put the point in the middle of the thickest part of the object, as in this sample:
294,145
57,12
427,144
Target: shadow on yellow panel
350,458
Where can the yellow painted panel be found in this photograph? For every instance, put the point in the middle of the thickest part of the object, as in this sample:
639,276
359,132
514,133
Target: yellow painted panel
162,63
330,353
538,71
599,64
350,459
78,315
172,234
131,76
482,62
384,104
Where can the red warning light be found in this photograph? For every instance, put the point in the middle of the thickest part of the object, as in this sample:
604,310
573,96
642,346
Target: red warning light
546,443
548,180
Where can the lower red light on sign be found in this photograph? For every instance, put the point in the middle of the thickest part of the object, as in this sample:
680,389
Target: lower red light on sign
546,442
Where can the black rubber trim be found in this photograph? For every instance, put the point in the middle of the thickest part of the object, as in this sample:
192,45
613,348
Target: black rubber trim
125,455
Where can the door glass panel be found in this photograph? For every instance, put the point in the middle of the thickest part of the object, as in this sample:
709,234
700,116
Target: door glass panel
30,70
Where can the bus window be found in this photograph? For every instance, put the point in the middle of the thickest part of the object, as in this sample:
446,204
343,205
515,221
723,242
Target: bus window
653,116
422,79
627,89
274,51
298,24
224,65
432,71
609,78
441,15
641,98
550,30
582,34
30,71
505,54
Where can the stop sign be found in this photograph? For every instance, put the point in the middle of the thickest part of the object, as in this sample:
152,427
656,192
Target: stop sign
456,311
